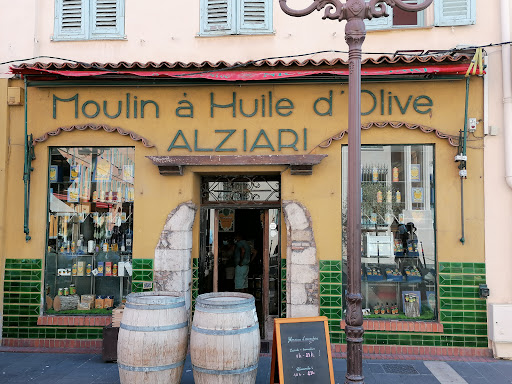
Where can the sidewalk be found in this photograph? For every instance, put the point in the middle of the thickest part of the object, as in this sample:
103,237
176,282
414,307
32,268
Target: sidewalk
60,368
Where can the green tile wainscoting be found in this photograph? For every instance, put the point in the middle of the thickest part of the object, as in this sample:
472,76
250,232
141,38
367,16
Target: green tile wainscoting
462,313
23,287
142,277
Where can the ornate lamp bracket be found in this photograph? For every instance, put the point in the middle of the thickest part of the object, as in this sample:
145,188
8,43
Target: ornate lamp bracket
336,10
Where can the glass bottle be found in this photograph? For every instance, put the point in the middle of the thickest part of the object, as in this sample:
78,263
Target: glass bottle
128,241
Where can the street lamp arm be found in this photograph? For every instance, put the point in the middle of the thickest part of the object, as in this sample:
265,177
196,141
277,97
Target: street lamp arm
378,8
408,7
317,5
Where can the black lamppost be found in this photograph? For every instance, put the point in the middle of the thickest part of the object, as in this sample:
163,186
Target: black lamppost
354,11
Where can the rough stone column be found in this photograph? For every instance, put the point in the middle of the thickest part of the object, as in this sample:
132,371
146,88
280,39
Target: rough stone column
302,271
173,253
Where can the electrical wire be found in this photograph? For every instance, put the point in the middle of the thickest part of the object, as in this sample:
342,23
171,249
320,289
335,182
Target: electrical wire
251,62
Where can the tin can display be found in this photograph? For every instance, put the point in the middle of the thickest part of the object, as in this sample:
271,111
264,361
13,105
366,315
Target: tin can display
66,291
60,292
72,289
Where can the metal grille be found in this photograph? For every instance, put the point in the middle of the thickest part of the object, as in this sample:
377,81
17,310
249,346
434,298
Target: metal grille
240,189
403,369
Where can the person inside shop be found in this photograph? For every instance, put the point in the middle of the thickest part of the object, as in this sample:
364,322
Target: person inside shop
227,253
407,233
242,261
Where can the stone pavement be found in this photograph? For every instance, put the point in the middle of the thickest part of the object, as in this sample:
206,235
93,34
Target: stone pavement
61,368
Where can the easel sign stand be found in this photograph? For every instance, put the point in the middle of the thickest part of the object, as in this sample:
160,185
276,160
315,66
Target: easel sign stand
301,351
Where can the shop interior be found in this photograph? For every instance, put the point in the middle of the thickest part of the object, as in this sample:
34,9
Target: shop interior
221,229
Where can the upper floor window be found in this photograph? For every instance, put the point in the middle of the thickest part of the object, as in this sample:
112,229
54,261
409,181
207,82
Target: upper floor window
446,13
235,17
89,20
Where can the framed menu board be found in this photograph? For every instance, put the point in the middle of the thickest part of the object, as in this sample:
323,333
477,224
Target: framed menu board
301,351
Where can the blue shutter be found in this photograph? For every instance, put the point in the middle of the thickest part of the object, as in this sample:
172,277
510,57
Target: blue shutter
70,20
381,22
255,16
455,12
217,17
107,19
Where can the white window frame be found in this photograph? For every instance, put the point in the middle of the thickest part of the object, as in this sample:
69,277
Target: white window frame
87,28
232,22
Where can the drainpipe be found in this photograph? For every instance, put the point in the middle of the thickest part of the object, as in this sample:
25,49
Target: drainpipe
486,95
507,89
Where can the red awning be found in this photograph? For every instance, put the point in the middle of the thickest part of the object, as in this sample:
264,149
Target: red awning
252,75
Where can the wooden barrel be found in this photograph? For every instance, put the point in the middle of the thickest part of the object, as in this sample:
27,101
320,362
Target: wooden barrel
225,339
152,344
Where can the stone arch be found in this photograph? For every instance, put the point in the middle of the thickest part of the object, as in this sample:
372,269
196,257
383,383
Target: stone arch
173,253
302,269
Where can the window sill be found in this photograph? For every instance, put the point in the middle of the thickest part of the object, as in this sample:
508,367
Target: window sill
400,326
402,28
263,33
77,320
75,39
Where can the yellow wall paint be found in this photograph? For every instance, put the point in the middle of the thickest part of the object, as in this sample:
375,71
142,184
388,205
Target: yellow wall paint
4,161
156,196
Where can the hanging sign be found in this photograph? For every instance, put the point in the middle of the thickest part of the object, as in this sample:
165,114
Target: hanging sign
227,220
301,351
102,171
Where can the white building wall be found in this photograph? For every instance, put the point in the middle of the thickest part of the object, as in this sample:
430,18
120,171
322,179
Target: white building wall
162,30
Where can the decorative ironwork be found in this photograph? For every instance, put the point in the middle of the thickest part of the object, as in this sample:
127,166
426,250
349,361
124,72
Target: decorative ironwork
354,12
236,189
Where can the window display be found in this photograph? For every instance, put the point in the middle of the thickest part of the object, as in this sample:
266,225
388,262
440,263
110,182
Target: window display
398,259
90,228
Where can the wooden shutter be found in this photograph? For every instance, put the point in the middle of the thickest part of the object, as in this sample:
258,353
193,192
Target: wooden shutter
70,20
455,12
255,16
107,19
217,17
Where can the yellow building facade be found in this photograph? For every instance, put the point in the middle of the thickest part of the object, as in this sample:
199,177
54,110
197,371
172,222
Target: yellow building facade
207,161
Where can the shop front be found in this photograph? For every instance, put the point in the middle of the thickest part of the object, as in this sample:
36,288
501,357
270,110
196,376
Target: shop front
147,182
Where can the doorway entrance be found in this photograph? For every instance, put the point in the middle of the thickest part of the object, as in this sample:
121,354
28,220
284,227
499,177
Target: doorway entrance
227,227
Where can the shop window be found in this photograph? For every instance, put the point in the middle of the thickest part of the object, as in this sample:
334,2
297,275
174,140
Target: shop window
90,227
89,20
446,13
235,17
398,255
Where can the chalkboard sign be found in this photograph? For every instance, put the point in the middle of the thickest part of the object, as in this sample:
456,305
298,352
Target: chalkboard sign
301,351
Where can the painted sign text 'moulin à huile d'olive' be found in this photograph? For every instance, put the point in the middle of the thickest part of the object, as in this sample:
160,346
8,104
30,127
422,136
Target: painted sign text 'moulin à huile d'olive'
266,105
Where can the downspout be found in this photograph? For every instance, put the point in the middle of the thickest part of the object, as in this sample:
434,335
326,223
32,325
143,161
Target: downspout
26,173
507,89
486,95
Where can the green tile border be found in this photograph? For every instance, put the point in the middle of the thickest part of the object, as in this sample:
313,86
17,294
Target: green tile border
23,264
138,264
464,268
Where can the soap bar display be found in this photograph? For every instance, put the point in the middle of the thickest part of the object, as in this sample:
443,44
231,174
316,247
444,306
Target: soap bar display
374,274
412,274
393,274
